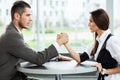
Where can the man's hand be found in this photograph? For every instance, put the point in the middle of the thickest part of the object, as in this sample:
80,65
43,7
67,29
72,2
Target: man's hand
62,38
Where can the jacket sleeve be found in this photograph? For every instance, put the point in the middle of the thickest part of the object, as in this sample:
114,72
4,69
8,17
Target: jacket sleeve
18,48
84,56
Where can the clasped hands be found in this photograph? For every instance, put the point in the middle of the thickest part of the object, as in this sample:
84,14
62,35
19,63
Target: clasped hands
62,38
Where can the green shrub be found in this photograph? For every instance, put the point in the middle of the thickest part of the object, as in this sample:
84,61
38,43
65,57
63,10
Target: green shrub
49,31
1,23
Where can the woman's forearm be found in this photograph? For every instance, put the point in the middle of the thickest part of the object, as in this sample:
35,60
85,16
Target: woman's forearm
72,53
113,71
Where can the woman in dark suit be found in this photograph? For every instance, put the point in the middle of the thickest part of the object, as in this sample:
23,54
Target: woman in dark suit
105,50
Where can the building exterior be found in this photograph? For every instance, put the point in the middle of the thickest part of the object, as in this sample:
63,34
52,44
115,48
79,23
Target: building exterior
50,11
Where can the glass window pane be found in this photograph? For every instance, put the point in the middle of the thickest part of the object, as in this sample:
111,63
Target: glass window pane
116,19
55,16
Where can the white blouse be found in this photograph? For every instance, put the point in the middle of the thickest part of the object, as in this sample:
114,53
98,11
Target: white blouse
113,46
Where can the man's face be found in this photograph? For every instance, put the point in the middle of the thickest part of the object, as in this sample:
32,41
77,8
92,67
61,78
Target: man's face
25,19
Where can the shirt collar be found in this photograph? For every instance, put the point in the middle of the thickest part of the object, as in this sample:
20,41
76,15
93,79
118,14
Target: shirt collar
103,36
19,30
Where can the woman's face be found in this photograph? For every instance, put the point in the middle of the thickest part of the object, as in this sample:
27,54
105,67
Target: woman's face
92,26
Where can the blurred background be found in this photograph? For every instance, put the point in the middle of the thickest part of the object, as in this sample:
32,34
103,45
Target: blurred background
51,17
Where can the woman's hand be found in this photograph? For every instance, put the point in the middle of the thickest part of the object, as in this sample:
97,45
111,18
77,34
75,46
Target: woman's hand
99,66
62,38
64,58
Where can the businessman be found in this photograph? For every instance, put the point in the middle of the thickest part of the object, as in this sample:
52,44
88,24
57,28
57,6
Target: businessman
13,47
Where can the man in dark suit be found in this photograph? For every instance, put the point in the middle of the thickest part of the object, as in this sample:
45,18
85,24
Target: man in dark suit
13,47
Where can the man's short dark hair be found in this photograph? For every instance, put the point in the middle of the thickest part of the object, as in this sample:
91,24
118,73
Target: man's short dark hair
19,7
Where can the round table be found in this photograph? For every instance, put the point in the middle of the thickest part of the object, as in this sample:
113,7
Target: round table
54,68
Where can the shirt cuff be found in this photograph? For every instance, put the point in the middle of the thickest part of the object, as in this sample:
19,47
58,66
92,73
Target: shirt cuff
57,47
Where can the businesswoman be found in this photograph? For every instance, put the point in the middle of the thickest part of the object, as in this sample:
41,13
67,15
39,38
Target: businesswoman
105,50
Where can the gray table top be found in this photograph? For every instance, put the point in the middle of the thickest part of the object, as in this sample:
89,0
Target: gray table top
53,67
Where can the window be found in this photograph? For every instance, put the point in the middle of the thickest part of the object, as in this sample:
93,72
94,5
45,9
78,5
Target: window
116,18
0,12
73,19
7,12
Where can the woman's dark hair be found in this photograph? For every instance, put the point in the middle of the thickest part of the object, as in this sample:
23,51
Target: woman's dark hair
19,7
101,19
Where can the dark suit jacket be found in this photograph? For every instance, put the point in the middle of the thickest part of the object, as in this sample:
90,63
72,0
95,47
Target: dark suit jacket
13,48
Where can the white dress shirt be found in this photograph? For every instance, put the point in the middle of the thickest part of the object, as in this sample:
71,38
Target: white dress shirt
113,46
